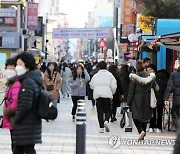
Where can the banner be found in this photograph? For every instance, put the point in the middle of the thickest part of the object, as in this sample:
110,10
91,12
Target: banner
32,16
81,33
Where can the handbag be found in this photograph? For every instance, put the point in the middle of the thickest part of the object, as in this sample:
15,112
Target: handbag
1,116
51,86
153,100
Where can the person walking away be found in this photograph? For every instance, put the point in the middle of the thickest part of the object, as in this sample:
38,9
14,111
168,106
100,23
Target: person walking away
52,81
139,99
66,75
11,96
173,86
90,91
77,84
125,82
104,85
27,124
162,77
116,97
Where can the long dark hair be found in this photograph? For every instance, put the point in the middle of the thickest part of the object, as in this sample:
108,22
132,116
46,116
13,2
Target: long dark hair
113,70
75,72
49,72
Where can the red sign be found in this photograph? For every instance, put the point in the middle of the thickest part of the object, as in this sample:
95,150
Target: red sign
32,15
102,43
9,21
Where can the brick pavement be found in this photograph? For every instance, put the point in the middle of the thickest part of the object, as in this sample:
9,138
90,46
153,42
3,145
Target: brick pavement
59,136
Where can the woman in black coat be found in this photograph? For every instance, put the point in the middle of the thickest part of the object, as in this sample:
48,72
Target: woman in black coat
116,97
139,99
27,125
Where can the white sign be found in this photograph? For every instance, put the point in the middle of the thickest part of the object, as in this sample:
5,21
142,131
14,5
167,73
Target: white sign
81,33
7,12
117,3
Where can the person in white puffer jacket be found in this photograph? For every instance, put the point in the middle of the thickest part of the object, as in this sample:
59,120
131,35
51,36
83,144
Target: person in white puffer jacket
104,86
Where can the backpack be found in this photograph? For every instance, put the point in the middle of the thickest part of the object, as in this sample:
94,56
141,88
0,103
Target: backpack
46,105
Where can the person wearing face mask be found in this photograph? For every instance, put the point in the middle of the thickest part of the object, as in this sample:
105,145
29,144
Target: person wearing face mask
11,96
78,84
27,124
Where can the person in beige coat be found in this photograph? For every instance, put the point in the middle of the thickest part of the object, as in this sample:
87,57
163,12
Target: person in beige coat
52,81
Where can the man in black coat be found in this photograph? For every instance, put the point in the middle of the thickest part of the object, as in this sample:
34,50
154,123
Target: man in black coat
27,124
174,87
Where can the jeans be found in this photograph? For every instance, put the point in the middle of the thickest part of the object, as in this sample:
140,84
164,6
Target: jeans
28,149
75,100
103,107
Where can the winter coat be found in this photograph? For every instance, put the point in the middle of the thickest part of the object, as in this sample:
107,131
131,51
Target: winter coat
11,102
125,82
162,77
27,125
116,96
90,91
173,85
56,81
76,88
66,75
104,84
139,96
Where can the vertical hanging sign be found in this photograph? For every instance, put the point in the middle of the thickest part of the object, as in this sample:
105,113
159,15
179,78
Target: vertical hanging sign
32,15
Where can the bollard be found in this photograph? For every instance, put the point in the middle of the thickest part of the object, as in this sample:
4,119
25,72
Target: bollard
81,128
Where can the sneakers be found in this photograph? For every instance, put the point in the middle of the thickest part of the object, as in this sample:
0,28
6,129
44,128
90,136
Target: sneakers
93,108
158,131
151,130
106,125
113,119
141,136
101,130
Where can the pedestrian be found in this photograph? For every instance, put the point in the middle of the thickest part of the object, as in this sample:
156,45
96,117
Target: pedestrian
77,84
90,91
139,99
27,124
125,82
162,77
11,96
146,61
66,75
173,86
104,85
39,67
52,81
116,97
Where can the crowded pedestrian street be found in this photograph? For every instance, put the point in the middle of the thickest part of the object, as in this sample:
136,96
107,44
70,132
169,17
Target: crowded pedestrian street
59,136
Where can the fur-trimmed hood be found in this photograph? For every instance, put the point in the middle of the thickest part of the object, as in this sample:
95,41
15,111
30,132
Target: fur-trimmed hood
142,80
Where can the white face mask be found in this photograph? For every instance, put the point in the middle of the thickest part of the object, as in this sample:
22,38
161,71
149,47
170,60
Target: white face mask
10,73
20,70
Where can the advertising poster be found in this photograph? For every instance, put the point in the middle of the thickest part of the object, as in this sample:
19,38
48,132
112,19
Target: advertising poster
2,77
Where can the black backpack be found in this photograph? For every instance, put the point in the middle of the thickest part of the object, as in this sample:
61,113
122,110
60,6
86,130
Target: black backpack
46,105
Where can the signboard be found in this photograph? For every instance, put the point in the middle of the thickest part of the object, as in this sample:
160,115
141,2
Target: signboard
81,33
10,40
11,1
117,3
7,12
102,43
2,71
32,15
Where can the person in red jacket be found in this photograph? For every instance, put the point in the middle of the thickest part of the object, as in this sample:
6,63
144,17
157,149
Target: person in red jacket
11,96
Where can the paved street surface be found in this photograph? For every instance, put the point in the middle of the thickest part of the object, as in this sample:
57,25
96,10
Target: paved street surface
59,136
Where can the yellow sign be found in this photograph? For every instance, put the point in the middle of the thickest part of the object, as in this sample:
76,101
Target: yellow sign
145,23
11,1
37,59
